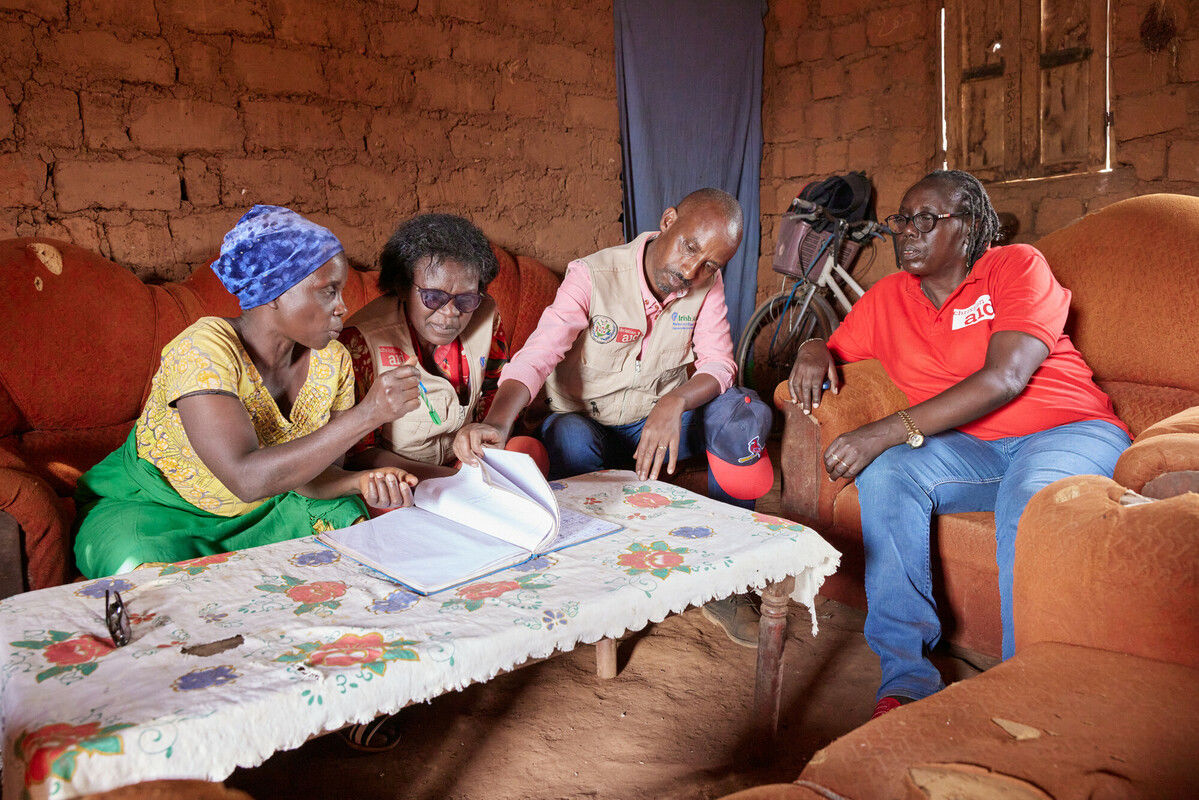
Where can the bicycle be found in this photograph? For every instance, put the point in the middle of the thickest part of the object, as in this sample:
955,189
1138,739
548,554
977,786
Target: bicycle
802,309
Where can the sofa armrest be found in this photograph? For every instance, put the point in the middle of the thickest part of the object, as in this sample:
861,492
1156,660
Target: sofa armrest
12,557
1169,446
1094,570
867,394
44,520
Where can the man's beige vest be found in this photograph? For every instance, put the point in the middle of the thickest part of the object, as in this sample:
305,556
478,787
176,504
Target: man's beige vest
384,326
602,374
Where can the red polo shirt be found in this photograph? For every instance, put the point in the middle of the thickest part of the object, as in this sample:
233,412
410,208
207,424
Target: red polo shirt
925,350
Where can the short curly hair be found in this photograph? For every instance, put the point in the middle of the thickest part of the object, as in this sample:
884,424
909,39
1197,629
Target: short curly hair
440,237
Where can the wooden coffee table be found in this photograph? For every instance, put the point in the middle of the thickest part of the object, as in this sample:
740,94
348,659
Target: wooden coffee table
239,655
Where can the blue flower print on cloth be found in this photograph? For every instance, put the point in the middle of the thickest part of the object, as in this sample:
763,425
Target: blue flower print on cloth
693,532
534,564
399,600
315,558
98,588
205,678
270,250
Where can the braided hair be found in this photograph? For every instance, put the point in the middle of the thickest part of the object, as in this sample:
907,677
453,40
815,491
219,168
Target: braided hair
984,222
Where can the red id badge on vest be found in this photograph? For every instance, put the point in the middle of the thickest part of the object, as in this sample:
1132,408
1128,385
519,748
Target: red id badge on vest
391,356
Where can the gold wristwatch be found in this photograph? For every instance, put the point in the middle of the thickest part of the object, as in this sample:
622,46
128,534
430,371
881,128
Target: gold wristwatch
915,437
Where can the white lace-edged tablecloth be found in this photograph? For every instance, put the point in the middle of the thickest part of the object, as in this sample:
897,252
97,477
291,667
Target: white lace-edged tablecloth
326,641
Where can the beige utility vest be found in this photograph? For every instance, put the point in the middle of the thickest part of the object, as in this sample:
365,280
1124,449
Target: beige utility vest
603,375
385,327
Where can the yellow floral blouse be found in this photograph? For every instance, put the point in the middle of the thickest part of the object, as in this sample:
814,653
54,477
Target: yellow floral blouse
208,357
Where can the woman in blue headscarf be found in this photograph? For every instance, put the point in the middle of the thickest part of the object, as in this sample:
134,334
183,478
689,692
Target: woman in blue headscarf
241,440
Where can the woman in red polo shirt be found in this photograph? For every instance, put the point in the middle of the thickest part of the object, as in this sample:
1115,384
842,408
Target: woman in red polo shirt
1001,404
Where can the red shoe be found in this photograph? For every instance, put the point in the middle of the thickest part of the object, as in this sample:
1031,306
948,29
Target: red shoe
885,705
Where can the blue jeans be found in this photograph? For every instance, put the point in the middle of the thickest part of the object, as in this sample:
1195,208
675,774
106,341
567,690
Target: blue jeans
577,444
954,472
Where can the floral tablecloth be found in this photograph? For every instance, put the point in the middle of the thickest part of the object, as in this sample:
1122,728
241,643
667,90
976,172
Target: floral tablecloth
326,641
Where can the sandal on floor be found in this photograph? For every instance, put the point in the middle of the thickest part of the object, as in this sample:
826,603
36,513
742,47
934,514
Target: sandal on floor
377,736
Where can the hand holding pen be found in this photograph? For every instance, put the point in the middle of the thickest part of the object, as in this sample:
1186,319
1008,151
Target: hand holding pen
395,392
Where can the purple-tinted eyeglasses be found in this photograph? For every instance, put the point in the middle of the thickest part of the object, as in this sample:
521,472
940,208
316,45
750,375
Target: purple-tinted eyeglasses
434,299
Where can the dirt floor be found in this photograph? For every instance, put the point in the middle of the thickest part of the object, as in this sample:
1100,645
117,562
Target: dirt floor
674,723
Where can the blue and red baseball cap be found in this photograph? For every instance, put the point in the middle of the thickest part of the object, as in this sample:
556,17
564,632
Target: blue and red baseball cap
736,425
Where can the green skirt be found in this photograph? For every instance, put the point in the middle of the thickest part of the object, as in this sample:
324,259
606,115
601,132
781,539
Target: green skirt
129,515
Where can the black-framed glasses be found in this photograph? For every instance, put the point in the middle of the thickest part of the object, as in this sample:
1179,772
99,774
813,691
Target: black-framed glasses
434,299
117,619
924,221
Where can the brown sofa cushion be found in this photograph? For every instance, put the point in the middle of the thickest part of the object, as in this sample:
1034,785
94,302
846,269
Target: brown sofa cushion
1110,725
1094,572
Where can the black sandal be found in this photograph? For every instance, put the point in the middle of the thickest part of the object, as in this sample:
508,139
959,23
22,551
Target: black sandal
377,736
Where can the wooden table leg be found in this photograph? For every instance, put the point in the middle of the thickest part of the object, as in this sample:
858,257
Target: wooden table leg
605,658
772,635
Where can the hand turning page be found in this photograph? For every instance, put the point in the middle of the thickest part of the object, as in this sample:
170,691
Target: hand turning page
469,524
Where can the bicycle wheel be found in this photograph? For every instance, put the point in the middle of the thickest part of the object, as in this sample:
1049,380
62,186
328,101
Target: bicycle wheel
772,337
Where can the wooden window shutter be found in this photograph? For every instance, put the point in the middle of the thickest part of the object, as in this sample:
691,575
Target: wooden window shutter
1025,86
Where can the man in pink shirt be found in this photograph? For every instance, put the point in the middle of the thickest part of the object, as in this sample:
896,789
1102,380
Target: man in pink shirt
631,352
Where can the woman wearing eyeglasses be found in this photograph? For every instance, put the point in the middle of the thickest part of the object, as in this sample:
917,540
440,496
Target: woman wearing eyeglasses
1001,405
433,273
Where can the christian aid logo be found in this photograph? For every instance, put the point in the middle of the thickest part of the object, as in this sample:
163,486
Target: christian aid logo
979,311
391,356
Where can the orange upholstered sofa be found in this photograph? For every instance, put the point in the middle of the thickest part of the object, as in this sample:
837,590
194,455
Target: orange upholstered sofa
1099,700
1133,269
78,347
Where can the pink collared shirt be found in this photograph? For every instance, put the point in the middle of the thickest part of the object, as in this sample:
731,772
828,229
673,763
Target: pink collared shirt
562,321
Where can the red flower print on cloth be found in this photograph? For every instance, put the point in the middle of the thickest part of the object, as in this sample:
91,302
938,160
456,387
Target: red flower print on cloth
349,650
657,558
319,597
79,650
369,652
476,595
648,500
645,497
650,559
194,566
317,592
775,523
45,745
45,750
481,591
68,651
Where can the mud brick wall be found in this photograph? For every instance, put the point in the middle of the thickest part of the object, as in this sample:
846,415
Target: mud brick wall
144,128
851,84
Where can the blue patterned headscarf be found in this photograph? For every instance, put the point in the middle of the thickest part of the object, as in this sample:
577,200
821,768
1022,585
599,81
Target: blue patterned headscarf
270,250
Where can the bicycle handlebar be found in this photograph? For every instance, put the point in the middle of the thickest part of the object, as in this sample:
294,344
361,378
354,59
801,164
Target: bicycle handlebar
809,212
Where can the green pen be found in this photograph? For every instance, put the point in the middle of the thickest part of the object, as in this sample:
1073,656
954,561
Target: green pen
424,395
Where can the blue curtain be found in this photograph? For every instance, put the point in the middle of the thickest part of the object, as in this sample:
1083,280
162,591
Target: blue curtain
689,84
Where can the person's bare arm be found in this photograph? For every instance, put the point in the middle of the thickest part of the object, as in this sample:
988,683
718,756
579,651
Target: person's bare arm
659,442
221,433
1012,358
379,457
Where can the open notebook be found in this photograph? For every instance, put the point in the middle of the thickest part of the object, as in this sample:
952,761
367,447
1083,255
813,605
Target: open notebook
469,524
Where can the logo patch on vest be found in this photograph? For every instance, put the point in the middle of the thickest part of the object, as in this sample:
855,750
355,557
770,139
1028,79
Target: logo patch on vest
391,356
603,329
682,322
627,335
981,310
